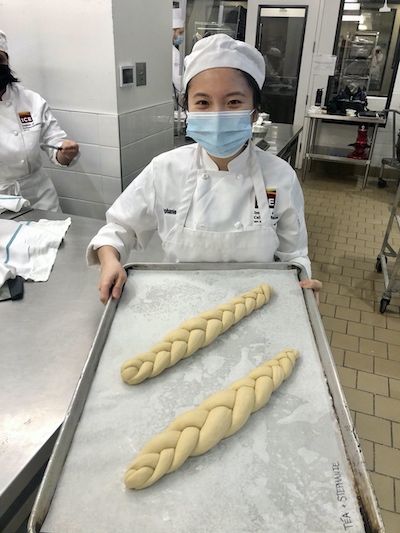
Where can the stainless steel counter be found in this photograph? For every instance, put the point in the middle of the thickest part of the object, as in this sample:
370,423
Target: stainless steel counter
282,140
45,340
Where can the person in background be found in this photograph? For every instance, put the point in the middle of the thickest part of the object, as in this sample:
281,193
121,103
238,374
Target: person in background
178,30
273,64
377,63
26,125
221,199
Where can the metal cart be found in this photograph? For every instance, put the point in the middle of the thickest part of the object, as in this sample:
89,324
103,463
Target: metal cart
388,251
393,161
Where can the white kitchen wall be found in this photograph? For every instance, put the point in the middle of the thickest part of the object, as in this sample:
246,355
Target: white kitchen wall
143,34
64,51
70,53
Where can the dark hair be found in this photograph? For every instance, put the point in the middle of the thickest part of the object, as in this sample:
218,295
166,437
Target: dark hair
251,82
12,78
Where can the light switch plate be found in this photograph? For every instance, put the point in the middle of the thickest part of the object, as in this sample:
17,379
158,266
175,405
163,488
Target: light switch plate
140,74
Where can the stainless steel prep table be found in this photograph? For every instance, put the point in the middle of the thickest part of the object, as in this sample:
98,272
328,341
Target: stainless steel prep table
283,140
45,340
334,153
286,470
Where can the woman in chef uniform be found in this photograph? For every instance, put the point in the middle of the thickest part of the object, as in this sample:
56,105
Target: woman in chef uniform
221,199
26,122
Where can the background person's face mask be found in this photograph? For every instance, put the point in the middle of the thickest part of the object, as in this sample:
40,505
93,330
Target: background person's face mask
221,134
178,40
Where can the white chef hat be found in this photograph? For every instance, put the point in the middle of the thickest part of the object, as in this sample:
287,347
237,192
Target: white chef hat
222,51
177,21
3,42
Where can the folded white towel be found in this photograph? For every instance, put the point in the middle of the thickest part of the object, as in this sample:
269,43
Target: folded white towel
31,247
12,203
6,272
10,198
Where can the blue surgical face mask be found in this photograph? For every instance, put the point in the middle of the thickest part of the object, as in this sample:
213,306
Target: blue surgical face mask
178,40
221,134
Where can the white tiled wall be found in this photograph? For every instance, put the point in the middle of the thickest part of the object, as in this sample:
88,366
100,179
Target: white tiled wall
113,152
144,134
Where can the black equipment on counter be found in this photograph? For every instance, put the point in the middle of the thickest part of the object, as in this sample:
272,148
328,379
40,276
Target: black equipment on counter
318,97
13,289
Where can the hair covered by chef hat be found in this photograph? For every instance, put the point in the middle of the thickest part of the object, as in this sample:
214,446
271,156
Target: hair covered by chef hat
222,51
177,21
3,42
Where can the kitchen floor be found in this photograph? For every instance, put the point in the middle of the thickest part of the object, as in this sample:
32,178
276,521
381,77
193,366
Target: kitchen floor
346,227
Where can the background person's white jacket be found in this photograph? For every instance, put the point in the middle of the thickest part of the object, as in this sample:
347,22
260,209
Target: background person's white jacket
223,202
26,121
176,72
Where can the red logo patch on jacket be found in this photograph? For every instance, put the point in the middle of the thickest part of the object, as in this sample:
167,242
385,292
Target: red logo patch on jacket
271,195
25,117
271,198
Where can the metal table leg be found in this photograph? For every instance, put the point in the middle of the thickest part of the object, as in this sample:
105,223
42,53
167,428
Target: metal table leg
309,145
371,151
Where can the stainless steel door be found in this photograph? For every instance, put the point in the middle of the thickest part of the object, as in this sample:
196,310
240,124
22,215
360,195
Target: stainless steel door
285,33
280,37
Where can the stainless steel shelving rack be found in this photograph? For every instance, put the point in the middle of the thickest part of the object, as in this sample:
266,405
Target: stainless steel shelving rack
337,154
355,64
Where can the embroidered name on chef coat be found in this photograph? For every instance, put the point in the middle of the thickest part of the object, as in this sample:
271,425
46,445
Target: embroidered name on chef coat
26,120
271,197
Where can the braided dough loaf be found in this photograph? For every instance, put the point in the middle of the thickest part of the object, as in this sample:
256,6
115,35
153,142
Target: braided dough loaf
219,416
192,335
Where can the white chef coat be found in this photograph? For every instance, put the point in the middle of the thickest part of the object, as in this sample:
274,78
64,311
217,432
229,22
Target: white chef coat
222,201
176,75
26,121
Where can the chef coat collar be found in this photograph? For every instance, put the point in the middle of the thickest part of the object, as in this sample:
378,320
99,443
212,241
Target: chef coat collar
233,166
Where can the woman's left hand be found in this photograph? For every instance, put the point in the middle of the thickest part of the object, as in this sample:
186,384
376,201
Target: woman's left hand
69,150
313,284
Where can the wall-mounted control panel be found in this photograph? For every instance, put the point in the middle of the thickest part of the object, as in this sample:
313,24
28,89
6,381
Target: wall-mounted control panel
126,75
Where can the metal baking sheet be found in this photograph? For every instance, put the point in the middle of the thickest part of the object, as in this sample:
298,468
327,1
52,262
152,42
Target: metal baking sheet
290,468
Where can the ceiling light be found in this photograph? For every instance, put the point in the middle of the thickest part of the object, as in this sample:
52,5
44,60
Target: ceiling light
355,6
385,8
351,18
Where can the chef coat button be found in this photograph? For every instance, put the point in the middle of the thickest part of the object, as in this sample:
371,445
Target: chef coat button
22,160
239,176
8,104
205,176
237,225
15,132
